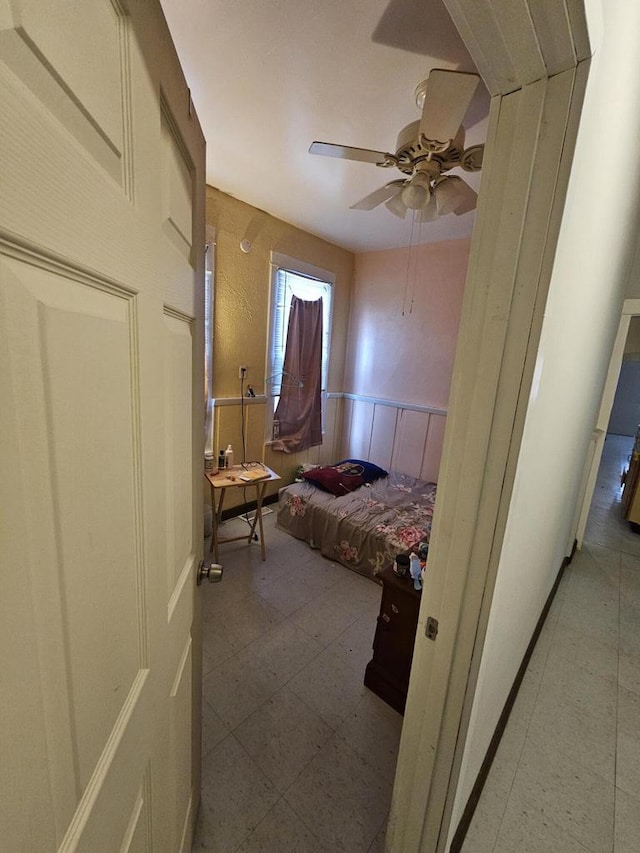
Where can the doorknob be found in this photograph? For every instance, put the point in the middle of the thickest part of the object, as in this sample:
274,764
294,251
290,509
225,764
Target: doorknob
211,572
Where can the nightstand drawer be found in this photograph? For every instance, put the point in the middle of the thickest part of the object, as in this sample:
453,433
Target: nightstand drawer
387,674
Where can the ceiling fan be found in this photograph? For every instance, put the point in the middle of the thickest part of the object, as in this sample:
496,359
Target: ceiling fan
424,151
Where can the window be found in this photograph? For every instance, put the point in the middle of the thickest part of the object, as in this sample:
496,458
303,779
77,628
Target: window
289,278
209,263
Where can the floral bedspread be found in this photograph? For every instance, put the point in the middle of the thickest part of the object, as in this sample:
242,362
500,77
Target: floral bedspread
363,530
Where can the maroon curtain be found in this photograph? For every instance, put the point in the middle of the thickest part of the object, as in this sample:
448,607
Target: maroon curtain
299,409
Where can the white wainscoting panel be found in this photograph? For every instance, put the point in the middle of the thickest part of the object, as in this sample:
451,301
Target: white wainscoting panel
383,429
411,439
359,433
402,437
433,448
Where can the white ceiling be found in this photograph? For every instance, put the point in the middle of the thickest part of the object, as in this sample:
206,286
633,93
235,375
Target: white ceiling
269,77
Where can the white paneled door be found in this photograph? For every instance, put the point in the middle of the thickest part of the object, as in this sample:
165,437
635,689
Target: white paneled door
101,269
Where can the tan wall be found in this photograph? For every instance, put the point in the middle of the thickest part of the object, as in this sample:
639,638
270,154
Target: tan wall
241,317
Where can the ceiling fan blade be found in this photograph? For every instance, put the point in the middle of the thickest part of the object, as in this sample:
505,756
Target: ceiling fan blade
447,98
347,152
453,195
378,196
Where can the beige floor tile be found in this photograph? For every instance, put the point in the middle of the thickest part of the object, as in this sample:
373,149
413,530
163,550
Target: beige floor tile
627,831
321,572
526,698
373,730
282,737
235,689
282,831
505,763
572,683
628,753
323,618
538,659
597,655
215,647
378,843
558,792
629,671
526,831
290,592
249,618
591,620
630,542
341,798
630,564
357,594
329,687
214,729
569,732
483,831
594,565
629,635
284,651
236,795
356,644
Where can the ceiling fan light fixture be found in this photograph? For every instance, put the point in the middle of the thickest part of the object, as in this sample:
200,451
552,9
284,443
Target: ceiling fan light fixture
447,193
428,213
417,192
396,206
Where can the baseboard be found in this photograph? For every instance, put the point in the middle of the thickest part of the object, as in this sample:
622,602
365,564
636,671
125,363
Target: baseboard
250,506
474,796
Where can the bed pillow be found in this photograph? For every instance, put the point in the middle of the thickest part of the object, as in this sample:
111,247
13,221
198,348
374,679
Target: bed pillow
336,479
370,472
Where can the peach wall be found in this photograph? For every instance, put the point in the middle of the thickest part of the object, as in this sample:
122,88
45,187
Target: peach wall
404,322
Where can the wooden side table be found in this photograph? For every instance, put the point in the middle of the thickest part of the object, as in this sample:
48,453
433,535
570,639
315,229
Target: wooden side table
232,478
387,673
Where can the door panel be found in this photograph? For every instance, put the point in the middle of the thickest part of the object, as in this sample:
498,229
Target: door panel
177,190
85,88
101,418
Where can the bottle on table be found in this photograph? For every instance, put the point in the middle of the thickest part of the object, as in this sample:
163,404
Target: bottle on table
228,457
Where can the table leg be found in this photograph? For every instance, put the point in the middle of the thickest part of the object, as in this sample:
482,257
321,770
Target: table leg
261,490
216,513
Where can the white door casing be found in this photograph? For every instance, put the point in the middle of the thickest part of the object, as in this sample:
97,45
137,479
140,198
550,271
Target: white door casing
533,59
101,273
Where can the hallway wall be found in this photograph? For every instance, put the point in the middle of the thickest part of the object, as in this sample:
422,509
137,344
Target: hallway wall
591,273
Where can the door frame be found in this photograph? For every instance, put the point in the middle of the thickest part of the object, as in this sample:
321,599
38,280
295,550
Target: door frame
537,85
631,308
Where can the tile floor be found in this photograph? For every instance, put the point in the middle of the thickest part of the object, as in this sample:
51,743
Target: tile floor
298,756
566,777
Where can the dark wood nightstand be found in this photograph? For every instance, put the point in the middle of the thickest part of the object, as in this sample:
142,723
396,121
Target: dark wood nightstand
387,673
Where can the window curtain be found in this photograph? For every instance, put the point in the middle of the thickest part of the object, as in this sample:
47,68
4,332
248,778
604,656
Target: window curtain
299,408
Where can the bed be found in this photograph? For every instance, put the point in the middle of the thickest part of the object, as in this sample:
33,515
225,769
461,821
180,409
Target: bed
365,528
